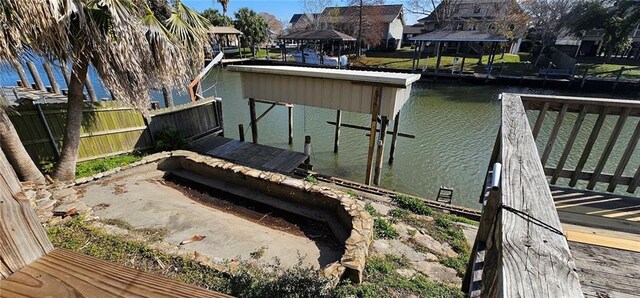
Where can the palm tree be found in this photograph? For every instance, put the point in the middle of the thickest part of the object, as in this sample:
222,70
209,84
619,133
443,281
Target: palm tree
12,146
225,6
130,49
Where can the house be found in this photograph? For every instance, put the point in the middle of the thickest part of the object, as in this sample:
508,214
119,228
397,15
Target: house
303,21
382,25
411,31
488,16
590,44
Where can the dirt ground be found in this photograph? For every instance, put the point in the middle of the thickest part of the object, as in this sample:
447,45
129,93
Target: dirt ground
143,199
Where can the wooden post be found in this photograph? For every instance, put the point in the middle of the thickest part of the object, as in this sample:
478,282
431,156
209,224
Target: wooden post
375,111
90,91
615,84
546,74
439,58
464,58
290,108
36,76
254,123
43,118
65,73
383,129
241,132
23,76
394,138
336,139
419,54
584,76
307,151
415,55
52,78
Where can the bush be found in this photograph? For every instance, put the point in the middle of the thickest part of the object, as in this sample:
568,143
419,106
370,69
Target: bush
92,167
171,139
414,205
383,229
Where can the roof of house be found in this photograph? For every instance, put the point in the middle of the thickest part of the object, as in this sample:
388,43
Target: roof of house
389,12
296,17
318,35
224,30
485,9
459,35
413,29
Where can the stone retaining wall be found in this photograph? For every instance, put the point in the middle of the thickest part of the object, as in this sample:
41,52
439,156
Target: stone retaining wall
348,220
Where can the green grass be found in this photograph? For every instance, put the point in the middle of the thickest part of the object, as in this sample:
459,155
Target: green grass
414,205
382,229
92,167
608,70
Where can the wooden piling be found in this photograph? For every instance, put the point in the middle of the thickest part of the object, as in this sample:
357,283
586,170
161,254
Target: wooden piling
290,108
254,123
394,138
375,111
23,76
52,79
307,151
383,127
36,76
241,132
336,139
615,84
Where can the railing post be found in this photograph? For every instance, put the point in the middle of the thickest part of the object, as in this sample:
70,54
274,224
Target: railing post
615,84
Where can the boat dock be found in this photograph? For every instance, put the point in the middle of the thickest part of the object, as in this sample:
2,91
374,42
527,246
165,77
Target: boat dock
249,154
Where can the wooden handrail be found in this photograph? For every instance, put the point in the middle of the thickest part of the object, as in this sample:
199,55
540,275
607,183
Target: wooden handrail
522,242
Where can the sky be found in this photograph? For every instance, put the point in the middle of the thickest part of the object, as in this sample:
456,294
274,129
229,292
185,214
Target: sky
282,9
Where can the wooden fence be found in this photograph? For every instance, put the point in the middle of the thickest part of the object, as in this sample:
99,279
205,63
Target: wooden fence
520,249
110,128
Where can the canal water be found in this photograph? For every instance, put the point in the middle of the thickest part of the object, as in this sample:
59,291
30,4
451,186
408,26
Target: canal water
455,125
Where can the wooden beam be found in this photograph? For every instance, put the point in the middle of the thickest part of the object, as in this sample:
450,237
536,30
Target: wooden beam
439,58
624,161
400,134
567,148
394,139
634,182
265,112
336,138
554,134
533,257
22,238
36,76
375,111
609,147
378,170
595,131
254,122
52,79
90,90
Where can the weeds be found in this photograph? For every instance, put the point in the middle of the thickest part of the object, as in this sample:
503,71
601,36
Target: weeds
414,205
311,179
383,229
92,167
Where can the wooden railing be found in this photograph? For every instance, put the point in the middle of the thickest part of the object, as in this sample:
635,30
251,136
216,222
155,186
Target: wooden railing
520,249
608,110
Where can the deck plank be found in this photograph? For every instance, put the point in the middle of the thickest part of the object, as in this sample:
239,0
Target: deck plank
253,155
63,273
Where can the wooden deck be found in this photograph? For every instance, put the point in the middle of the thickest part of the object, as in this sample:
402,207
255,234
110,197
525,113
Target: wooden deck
248,154
31,94
63,273
606,272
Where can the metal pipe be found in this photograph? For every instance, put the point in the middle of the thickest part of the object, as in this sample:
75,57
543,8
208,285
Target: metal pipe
495,178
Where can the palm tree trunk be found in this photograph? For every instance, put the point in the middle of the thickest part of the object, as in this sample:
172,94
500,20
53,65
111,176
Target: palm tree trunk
168,97
15,152
66,168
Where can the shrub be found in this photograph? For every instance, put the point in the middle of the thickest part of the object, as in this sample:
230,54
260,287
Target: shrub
414,205
383,229
171,139
92,167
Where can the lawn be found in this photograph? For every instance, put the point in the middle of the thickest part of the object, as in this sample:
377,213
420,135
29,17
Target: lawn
609,70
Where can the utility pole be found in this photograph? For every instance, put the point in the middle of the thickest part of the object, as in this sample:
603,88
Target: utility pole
360,31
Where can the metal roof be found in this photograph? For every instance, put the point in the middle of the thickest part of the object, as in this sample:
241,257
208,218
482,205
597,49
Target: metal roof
459,35
318,35
224,30
337,89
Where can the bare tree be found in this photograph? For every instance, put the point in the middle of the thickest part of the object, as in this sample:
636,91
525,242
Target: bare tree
441,11
548,18
314,8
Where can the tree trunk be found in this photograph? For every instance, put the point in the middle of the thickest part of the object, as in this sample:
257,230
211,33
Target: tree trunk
66,168
15,152
168,97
